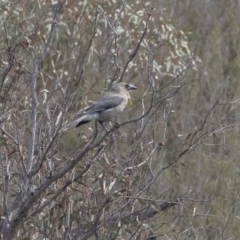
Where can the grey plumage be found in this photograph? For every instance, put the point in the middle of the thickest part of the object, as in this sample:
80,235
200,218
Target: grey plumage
107,107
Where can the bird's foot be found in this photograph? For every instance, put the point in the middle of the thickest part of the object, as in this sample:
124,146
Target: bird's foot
116,124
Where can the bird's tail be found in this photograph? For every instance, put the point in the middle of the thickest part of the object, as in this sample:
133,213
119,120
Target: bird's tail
81,120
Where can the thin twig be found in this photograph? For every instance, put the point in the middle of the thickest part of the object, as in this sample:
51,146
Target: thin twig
135,51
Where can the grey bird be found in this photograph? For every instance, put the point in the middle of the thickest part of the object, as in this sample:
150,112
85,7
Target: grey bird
107,107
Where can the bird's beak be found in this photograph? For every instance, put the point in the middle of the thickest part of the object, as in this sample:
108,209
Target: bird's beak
132,87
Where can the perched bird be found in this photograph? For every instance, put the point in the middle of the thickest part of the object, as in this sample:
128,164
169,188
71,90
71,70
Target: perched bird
107,107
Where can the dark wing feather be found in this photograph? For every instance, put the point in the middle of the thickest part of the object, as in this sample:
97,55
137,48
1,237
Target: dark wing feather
104,103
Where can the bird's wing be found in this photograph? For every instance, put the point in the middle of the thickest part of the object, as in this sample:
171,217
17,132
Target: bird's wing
104,103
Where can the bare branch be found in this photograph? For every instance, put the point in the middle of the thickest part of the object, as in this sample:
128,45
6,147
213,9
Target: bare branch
134,53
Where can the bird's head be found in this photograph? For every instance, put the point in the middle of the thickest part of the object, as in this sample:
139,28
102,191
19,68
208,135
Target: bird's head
129,86
126,87
122,87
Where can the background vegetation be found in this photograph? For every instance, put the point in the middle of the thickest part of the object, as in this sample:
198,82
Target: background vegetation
170,170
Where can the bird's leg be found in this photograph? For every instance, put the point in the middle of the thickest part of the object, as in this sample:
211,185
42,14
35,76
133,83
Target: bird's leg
102,125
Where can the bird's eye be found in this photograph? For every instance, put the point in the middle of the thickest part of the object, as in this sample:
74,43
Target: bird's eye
127,86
